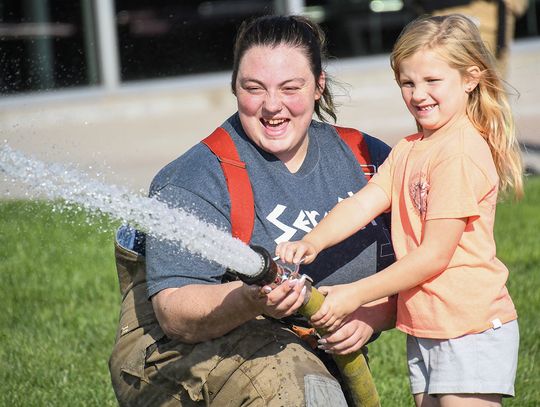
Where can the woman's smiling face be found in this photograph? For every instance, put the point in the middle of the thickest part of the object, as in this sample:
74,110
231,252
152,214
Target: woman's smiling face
276,93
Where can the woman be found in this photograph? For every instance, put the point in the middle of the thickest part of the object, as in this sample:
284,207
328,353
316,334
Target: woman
206,340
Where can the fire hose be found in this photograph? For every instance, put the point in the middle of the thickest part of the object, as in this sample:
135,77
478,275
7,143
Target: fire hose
353,366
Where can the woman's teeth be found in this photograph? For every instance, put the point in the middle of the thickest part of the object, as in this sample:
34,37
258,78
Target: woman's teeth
274,122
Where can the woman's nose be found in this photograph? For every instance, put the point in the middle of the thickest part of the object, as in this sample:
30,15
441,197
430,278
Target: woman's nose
273,102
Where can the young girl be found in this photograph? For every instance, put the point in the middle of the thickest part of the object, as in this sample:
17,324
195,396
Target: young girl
441,185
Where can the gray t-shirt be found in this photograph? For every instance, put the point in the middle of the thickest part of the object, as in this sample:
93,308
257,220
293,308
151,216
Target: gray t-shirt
287,206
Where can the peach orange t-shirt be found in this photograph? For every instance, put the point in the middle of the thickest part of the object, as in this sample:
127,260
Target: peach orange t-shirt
449,175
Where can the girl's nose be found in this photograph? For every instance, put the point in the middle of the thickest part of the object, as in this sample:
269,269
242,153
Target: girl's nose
419,93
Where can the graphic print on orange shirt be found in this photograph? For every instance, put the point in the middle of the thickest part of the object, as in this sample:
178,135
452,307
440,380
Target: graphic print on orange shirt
419,189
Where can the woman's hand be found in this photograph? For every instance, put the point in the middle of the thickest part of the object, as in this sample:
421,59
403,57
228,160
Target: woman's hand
341,300
280,301
349,337
297,252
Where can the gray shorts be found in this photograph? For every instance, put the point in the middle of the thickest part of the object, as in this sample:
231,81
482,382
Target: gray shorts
483,363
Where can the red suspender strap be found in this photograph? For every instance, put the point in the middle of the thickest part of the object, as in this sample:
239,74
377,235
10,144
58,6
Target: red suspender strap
356,142
236,175
239,186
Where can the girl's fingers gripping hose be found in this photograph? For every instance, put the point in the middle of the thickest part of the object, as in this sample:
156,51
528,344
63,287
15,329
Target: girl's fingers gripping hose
291,252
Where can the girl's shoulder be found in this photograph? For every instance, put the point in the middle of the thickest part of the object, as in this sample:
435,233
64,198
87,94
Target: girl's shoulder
469,142
411,138
407,142
468,146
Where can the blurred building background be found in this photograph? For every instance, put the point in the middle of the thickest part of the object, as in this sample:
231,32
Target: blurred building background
127,85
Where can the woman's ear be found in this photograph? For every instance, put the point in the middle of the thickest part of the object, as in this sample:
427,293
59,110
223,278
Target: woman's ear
321,83
472,78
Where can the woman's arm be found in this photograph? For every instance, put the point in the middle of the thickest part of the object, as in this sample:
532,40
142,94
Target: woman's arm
200,312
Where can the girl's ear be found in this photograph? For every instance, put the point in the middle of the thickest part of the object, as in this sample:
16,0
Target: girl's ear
472,78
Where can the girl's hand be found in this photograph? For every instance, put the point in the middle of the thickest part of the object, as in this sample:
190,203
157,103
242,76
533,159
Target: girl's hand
341,300
348,338
296,252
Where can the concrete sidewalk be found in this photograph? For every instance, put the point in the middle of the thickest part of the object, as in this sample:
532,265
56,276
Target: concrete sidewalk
130,134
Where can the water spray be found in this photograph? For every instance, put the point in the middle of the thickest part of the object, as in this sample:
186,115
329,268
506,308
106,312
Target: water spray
253,266
353,366
54,181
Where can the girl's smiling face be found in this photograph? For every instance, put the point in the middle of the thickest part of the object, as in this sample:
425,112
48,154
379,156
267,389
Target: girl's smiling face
276,93
435,93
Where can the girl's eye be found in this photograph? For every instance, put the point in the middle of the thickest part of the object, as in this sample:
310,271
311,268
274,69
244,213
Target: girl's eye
433,80
407,84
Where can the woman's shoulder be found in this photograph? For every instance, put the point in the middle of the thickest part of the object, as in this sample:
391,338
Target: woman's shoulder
195,168
326,129
377,150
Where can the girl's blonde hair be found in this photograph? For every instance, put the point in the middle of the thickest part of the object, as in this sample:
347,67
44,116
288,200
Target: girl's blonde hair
457,40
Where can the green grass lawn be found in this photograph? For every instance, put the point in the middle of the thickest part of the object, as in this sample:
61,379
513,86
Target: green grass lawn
59,304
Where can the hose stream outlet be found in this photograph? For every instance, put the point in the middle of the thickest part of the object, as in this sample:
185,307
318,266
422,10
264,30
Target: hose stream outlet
271,273
267,273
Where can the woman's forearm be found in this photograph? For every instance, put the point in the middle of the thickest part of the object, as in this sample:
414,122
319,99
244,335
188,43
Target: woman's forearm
380,314
197,313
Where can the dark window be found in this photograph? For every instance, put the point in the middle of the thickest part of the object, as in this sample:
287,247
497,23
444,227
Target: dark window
164,38
44,45
529,24
51,44
360,27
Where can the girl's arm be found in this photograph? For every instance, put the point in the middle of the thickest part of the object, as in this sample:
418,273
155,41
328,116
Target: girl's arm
345,219
440,240
358,327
